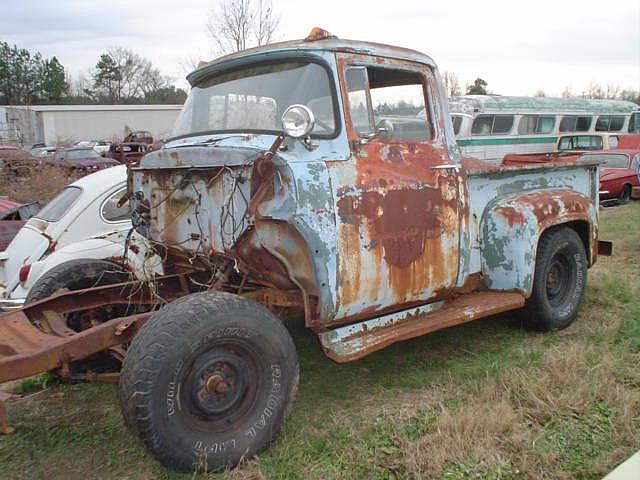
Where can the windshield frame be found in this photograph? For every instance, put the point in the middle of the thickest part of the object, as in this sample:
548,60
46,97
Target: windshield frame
281,57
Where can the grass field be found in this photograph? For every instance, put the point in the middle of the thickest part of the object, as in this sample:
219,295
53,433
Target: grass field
482,400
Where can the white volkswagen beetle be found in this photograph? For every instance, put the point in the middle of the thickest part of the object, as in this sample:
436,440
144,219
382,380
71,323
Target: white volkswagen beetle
73,242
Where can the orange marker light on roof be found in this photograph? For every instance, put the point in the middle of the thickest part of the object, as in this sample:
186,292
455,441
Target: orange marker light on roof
318,33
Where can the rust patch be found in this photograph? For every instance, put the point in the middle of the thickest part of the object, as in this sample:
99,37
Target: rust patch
401,221
512,215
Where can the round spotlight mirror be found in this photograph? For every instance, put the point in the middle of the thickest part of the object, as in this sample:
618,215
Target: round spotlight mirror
298,121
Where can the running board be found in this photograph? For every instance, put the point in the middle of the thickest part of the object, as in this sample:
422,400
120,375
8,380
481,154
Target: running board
345,344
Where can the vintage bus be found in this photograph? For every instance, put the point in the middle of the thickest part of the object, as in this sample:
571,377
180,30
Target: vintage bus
491,126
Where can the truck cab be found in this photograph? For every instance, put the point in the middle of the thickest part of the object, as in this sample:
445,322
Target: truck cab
321,177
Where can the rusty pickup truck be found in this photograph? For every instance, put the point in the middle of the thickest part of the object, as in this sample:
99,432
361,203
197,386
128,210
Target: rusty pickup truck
302,177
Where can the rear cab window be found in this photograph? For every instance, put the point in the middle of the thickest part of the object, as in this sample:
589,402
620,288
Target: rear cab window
60,205
580,142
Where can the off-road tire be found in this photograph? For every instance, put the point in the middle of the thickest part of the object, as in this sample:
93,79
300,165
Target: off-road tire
625,194
77,275
164,384
559,281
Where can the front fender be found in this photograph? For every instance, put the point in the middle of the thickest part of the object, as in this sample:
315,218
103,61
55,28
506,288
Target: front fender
511,227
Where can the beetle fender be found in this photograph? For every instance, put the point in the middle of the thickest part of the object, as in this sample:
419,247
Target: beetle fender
511,227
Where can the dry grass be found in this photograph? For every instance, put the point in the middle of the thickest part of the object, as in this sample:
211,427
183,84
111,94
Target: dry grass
25,179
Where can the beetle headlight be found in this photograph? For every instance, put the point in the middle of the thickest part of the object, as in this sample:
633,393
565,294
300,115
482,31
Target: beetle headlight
298,121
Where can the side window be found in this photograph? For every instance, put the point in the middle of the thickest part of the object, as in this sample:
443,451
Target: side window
60,205
358,101
634,123
617,121
394,98
492,124
573,123
531,124
602,124
457,122
583,124
110,210
613,141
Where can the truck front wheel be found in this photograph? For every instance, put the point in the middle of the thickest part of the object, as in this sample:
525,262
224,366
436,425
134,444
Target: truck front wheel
559,281
208,381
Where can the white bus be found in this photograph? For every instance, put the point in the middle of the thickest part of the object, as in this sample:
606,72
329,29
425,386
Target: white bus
490,126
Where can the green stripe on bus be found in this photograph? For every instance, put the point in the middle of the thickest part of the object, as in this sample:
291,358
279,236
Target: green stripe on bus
505,141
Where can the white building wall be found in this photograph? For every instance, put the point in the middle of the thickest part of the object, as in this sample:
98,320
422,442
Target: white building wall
62,124
61,127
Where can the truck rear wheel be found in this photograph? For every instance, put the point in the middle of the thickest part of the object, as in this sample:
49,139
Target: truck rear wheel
208,381
559,281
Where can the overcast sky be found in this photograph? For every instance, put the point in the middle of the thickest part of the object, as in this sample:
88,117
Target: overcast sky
517,47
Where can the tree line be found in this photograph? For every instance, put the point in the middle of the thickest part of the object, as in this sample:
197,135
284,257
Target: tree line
594,90
120,76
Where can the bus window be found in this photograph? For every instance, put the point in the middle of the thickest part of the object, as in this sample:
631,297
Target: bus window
530,124
634,123
602,125
609,123
574,123
457,121
492,124
502,124
617,121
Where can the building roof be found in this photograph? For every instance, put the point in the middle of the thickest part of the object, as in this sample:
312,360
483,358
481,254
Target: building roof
471,103
90,108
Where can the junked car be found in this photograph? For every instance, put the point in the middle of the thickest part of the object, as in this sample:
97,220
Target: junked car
296,182
100,146
80,159
82,223
13,215
619,173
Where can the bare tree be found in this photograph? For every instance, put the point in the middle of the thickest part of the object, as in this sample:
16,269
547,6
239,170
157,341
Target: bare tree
236,25
594,90
452,84
122,76
540,93
612,91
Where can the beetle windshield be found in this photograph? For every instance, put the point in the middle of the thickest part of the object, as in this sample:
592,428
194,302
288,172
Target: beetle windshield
253,100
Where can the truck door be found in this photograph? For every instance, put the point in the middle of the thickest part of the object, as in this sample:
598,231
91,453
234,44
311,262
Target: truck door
396,197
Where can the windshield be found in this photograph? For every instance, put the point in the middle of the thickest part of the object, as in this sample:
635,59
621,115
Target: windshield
76,154
611,160
253,99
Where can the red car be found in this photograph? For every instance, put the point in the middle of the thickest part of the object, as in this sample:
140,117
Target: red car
13,216
619,174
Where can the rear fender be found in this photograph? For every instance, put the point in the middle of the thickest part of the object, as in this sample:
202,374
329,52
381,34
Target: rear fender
511,227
